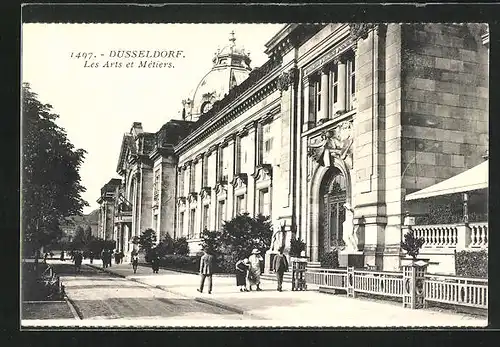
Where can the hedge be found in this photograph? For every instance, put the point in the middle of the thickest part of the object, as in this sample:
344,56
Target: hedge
472,263
181,262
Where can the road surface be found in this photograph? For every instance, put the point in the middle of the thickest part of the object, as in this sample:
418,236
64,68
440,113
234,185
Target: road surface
99,295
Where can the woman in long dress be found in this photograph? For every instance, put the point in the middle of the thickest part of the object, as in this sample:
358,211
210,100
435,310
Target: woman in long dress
241,274
254,271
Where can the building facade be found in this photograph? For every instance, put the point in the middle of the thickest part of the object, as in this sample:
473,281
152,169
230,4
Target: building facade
326,138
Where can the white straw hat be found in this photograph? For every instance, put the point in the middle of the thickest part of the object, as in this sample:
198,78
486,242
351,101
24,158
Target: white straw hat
255,251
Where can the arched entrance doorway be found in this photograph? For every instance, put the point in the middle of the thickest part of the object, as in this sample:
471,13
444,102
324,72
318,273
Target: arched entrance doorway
333,193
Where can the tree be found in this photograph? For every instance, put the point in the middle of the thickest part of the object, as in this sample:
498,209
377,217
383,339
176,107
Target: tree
51,187
181,246
147,240
210,241
243,233
165,246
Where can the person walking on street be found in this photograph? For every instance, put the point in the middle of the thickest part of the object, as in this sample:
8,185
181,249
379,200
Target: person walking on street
241,274
77,258
280,266
91,257
254,271
206,270
155,263
135,261
62,255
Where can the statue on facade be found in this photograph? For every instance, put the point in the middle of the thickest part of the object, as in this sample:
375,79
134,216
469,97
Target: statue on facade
332,143
278,238
350,237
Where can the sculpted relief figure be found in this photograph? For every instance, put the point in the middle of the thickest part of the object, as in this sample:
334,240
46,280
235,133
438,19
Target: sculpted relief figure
350,237
336,143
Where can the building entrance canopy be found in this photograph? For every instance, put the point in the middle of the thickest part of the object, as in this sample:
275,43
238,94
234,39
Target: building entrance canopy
472,179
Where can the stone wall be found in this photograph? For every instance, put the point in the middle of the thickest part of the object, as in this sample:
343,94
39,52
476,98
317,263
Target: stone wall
445,102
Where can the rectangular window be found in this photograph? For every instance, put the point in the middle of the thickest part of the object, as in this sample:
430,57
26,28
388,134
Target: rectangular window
334,77
267,140
205,216
181,223
240,204
192,182
264,202
317,88
221,213
205,171
351,84
192,219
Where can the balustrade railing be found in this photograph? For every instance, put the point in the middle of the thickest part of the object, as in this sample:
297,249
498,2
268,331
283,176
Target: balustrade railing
479,235
472,235
471,292
331,278
437,235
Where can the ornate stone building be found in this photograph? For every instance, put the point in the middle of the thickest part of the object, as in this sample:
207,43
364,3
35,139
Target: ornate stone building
327,137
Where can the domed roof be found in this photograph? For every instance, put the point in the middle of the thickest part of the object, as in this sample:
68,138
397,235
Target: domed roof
231,66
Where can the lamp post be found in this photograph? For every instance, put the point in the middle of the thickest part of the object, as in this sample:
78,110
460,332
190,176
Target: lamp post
466,207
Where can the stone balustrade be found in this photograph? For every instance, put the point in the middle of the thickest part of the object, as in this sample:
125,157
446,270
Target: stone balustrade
456,236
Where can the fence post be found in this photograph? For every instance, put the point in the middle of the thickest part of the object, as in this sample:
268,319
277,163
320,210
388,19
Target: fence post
350,282
414,284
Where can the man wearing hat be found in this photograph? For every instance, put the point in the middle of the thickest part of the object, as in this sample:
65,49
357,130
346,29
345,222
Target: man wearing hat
254,270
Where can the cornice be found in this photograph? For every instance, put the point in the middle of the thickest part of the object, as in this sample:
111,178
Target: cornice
239,103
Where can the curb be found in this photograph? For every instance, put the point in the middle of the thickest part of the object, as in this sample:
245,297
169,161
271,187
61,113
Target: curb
73,308
219,304
210,302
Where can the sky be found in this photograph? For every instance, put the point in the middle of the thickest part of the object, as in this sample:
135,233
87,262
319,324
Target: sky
98,105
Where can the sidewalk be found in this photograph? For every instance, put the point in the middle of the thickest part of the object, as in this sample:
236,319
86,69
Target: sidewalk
291,308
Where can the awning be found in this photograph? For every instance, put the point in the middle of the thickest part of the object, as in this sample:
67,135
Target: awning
472,179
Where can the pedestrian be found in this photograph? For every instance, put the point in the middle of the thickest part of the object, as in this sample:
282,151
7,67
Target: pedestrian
206,270
45,256
155,263
62,255
77,258
135,261
242,266
91,257
117,257
121,255
280,266
104,257
254,270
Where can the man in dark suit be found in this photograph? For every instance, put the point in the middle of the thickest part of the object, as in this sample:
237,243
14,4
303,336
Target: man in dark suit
206,270
280,266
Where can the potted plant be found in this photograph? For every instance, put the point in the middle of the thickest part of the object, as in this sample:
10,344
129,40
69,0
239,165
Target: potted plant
297,249
412,244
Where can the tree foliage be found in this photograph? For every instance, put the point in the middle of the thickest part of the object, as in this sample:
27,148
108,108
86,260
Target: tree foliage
210,241
412,244
147,240
243,233
51,187
181,246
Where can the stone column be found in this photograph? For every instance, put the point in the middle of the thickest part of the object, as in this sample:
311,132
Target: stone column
250,130
199,204
342,84
230,189
325,71
308,122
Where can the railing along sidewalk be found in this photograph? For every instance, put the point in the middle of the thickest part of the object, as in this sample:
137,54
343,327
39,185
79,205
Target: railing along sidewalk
471,292
416,288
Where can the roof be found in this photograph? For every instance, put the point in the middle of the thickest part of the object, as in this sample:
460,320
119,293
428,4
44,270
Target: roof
472,179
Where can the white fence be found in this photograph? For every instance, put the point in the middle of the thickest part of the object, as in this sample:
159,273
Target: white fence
436,288
472,292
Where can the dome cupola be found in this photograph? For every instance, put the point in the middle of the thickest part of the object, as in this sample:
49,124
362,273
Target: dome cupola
231,66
